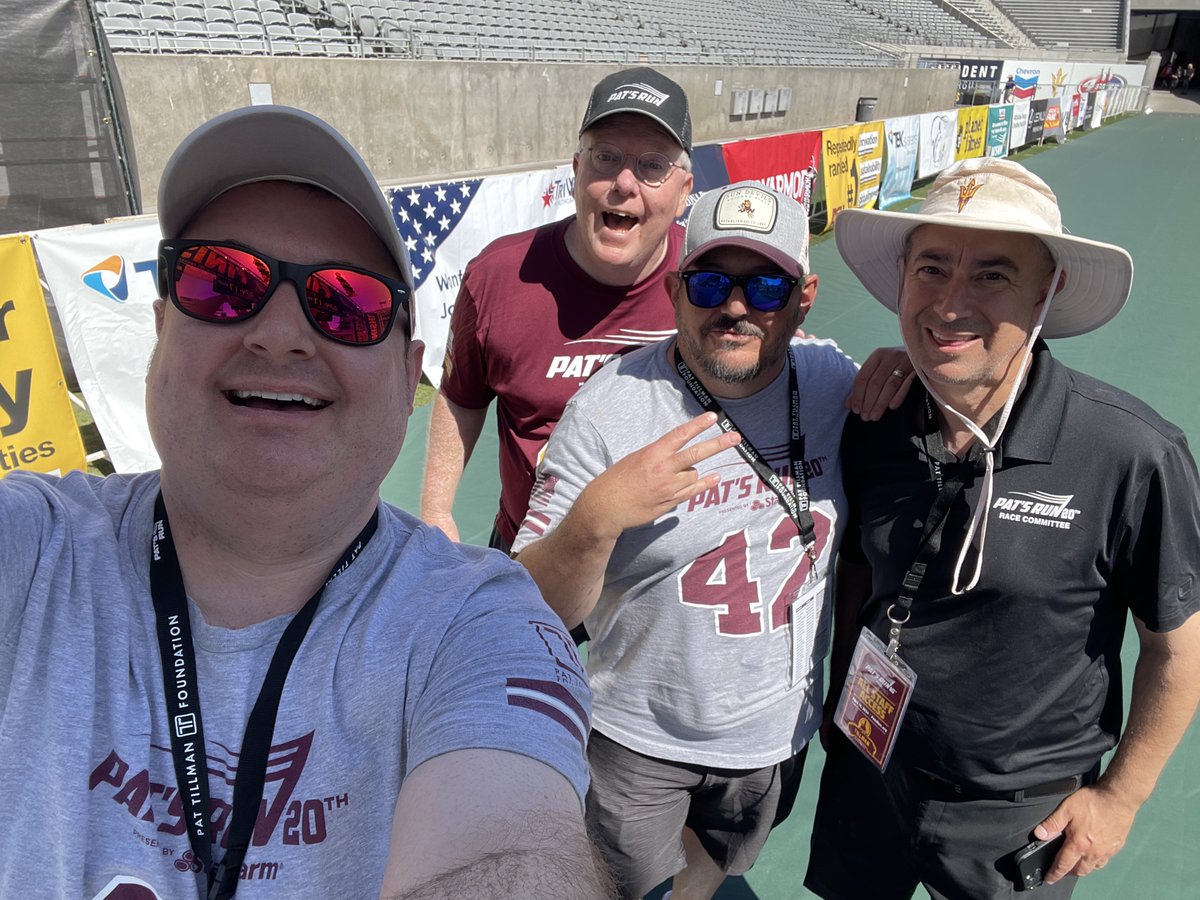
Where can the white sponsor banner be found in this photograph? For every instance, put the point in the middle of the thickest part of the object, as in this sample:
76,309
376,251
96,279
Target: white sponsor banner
937,142
1097,110
446,224
903,136
102,279
1031,78
1042,79
1020,124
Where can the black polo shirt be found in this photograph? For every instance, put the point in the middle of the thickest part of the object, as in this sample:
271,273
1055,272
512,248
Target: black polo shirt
1095,510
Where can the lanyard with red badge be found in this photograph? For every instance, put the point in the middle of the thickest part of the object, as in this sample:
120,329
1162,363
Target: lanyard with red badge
183,706
796,502
879,683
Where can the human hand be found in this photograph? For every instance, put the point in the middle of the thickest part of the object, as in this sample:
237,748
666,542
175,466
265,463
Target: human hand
1096,822
652,481
881,384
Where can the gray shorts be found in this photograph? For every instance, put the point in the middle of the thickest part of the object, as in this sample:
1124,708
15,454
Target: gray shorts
637,807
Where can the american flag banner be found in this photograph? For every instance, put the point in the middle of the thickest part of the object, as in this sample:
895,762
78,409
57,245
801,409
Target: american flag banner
445,225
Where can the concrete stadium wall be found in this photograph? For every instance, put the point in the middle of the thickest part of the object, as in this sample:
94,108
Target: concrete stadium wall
416,121
1164,6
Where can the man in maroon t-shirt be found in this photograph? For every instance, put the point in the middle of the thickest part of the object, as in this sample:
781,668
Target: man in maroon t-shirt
539,311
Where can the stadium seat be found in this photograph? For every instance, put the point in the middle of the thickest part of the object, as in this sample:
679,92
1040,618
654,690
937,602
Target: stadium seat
223,38
121,24
368,26
188,13
252,38
281,41
158,11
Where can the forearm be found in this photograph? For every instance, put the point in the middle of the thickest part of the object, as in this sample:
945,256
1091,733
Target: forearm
572,869
453,433
1166,690
489,823
568,564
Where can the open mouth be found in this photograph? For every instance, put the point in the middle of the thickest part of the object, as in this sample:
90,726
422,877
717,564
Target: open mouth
619,221
273,400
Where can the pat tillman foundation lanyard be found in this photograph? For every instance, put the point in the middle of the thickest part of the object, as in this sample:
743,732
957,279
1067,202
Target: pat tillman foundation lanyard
183,706
795,501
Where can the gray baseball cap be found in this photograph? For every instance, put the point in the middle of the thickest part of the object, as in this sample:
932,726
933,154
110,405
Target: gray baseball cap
645,92
273,143
750,215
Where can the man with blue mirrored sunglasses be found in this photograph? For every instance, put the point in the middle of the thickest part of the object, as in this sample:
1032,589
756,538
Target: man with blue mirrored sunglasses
700,561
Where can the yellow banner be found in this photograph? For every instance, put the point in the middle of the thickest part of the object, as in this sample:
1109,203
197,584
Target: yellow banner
852,164
972,130
37,425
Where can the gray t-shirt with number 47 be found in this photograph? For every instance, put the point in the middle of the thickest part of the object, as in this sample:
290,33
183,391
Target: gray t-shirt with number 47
708,638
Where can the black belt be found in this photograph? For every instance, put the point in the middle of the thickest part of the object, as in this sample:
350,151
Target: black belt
940,789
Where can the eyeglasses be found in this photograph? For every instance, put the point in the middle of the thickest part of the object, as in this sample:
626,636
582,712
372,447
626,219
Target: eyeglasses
766,293
220,282
649,168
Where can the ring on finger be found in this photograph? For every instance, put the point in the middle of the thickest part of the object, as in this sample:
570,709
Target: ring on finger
899,373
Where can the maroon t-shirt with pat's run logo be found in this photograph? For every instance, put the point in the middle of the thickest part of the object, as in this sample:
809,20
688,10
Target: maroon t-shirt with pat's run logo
529,327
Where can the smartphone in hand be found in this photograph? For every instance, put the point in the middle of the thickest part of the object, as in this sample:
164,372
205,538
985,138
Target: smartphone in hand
1034,860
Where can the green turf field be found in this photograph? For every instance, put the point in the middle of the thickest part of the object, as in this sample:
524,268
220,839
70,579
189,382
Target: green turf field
1136,183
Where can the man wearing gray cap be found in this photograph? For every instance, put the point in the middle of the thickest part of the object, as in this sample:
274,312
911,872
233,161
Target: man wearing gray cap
1004,522
700,561
541,311
244,672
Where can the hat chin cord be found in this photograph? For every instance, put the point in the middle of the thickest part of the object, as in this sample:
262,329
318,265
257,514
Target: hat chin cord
979,514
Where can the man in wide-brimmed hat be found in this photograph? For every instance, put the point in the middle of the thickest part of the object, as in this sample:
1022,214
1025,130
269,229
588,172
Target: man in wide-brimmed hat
1003,521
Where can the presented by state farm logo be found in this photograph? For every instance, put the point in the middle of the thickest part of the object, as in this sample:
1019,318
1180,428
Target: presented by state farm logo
1036,508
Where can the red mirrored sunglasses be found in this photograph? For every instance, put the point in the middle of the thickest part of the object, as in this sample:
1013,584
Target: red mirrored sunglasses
218,281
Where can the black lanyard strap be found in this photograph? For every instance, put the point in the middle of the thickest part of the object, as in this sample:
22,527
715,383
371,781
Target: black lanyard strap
949,486
183,706
795,501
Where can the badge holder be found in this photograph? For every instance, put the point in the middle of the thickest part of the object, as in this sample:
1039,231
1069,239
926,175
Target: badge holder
808,641
876,694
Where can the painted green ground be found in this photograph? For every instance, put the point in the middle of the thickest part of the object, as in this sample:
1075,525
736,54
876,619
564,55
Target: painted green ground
1135,183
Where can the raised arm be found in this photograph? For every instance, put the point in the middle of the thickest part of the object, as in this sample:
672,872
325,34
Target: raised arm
1166,690
453,432
488,823
568,564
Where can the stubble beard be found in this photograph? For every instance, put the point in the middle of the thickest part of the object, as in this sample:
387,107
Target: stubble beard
715,365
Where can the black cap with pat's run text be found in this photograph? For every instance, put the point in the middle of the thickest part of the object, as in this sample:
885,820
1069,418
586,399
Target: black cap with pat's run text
645,92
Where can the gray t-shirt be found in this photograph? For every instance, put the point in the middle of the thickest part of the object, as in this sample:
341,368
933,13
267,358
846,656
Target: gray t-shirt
699,650
419,648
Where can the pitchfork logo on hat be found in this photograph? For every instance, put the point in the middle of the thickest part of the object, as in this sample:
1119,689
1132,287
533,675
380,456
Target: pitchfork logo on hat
966,192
